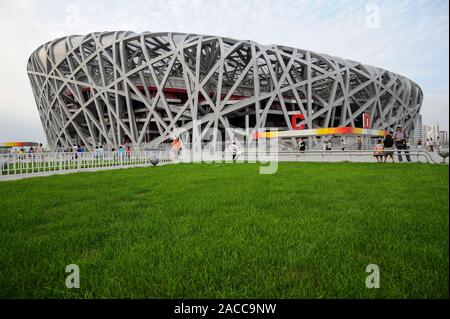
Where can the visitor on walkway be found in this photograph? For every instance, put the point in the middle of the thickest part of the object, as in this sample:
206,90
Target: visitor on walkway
176,148
431,145
359,142
128,151
400,138
419,145
75,151
121,152
378,151
343,145
234,150
301,145
40,148
80,150
388,144
437,143
100,152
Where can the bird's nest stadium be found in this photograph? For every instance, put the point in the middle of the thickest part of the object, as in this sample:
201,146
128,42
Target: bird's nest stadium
109,88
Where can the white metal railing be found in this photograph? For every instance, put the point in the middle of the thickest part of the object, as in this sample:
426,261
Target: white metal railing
47,163
254,154
409,155
23,165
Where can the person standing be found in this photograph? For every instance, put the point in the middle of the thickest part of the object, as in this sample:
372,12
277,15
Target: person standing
301,145
175,148
234,150
100,152
388,144
431,145
419,145
75,151
80,151
438,143
400,137
121,152
359,143
343,145
39,150
128,151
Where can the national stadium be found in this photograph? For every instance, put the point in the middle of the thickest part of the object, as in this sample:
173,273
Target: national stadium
147,220
110,88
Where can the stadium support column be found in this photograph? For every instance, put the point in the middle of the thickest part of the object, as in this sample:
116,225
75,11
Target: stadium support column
196,124
256,89
309,96
129,104
247,131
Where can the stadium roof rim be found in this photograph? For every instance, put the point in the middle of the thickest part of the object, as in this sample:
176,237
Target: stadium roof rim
59,49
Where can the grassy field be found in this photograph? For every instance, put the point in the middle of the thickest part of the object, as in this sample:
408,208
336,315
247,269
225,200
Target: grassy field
224,231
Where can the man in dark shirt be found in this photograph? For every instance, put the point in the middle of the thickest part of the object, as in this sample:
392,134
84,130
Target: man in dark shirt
388,143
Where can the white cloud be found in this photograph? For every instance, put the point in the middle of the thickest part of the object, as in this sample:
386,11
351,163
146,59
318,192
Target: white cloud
436,103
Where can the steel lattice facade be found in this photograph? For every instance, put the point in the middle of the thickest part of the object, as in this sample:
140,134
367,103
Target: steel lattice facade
111,88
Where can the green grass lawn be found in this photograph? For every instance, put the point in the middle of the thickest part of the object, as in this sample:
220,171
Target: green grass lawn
225,231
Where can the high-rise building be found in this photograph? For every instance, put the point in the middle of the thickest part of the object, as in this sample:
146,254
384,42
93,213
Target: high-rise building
430,131
443,136
418,129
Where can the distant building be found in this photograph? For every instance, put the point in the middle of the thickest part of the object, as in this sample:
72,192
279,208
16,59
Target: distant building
431,131
443,136
418,129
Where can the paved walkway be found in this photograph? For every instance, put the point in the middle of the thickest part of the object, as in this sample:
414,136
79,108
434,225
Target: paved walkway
433,158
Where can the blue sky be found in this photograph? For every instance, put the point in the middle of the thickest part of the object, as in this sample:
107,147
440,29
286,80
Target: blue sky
410,37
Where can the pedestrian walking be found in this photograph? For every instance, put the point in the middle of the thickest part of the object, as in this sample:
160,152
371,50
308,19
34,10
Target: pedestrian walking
234,150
